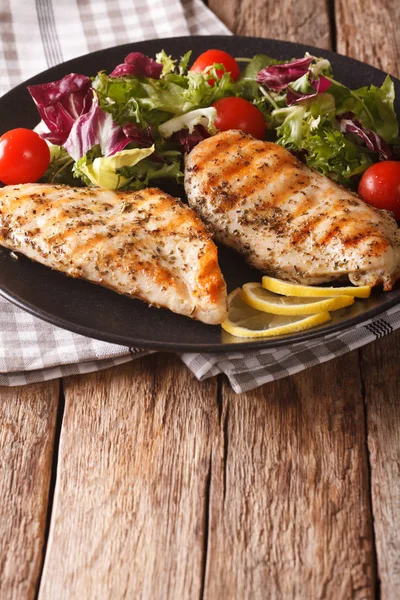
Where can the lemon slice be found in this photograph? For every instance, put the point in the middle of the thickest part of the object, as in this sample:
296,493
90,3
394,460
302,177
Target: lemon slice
247,322
310,291
257,297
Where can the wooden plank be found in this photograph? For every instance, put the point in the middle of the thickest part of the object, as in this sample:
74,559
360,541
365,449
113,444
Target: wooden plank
379,45
369,31
27,428
305,22
290,511
382,384
290,514
131,496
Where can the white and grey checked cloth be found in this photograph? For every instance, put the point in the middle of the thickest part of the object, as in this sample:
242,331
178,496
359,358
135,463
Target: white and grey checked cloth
38,34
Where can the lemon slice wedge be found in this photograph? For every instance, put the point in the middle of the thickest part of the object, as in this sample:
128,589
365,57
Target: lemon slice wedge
261,299
295,289
247,322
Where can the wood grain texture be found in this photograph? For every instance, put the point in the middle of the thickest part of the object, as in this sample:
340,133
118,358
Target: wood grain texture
382,385
290,511
379,45
131,494
369,31
27,428
290,514
290,20
161,496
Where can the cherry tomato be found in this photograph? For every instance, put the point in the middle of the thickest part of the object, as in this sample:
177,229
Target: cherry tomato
237,113
380,186
209,58
24,156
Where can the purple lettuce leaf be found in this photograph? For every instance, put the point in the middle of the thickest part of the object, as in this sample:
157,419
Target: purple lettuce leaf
320,85
350,124
84,133
324,83
277,77
122,70
112,138
138,64
143,138
60,103
98,127
190,140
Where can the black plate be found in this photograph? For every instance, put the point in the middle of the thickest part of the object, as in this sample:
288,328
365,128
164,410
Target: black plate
99,313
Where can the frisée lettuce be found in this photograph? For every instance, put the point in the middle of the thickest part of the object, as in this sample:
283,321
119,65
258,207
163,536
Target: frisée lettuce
306,107
131,127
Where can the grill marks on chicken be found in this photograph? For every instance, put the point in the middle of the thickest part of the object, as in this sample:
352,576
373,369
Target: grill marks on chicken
286,219
143,244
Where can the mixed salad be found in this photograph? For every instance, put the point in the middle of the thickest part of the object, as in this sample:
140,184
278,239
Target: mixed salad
130,128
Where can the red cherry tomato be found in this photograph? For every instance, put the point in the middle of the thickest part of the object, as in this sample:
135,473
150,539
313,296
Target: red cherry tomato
24,156
237,113
209,58
380,186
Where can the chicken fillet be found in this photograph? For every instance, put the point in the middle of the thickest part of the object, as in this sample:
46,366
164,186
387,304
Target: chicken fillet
143,244
287,220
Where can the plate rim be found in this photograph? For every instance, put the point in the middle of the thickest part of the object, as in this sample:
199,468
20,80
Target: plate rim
257,344
220,347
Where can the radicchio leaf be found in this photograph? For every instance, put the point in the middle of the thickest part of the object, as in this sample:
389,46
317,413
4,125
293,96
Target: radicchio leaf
323,84
350,124
320,85
112,138
277,77
143,138
98,127
60,103
84,133
122,70
190,140
138,64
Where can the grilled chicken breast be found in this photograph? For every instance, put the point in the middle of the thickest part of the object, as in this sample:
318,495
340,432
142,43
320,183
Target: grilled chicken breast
144,244
288,220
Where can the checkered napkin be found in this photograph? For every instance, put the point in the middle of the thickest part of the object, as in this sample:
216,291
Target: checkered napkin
37,35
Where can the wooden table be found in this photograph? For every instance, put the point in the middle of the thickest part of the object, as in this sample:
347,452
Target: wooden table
140,482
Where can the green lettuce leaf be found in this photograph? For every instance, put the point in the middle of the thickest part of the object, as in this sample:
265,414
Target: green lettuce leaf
199,116
167,61
104,171
169,64
152,102
246,86
257,63
320,66
137,99
146,171
294,123
331,153
311,128
291,130
181,99
118,96
60,169
184,62
199,93
374,106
